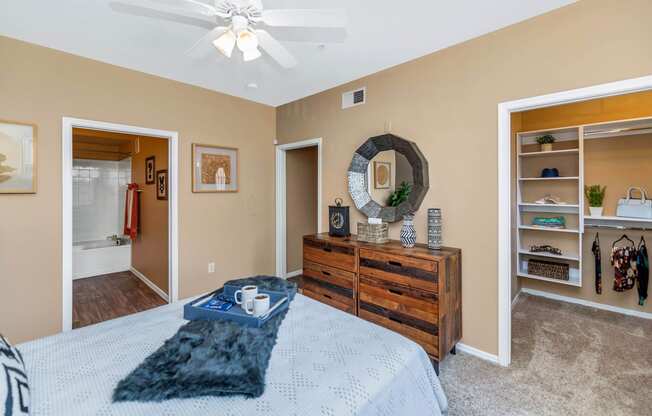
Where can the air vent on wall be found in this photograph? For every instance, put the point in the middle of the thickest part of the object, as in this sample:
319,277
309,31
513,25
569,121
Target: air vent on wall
353,98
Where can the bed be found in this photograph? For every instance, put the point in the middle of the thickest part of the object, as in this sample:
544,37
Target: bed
326,362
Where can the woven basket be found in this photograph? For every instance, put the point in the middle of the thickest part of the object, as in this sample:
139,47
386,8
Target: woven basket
549,269
373,233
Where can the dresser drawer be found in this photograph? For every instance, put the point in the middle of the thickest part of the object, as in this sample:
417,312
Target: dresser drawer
329,274
335,296
322,252
415,303
406,271
426,337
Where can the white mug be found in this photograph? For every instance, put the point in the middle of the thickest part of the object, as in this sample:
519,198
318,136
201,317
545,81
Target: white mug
247,294
261,304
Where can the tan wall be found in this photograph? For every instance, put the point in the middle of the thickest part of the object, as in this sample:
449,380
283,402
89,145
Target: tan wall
149,253
301,196
447,103
614,162
40,86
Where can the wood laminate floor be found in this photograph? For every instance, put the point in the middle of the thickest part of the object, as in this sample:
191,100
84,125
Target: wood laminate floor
100,298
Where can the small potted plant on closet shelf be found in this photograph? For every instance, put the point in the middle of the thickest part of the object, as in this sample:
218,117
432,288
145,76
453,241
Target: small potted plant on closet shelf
595,195
546,142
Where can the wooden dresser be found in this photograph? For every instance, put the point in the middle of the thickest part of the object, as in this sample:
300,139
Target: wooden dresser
416,292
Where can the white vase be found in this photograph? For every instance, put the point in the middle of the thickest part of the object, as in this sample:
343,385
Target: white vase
546,147
596,211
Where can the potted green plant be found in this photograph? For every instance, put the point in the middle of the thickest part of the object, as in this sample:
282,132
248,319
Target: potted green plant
546,142
595,195
400,195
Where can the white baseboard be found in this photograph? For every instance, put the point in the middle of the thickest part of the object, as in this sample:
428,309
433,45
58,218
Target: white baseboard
151,285
492,358
294,273
630,312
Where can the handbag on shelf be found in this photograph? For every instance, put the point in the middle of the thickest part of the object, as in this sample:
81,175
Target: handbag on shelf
634,208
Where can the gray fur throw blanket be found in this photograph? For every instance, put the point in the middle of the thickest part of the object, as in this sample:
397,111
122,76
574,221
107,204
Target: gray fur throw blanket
207,358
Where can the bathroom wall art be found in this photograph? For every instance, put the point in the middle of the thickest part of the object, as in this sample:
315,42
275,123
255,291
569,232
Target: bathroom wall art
162,185
215,168
150,169
17,158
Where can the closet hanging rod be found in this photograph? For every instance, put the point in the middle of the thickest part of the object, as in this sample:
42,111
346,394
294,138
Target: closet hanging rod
644,129
617,227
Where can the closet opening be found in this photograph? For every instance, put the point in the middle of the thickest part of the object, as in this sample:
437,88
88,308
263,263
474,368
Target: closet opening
581,217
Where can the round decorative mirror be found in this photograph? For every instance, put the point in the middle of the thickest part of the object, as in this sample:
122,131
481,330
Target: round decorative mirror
388,177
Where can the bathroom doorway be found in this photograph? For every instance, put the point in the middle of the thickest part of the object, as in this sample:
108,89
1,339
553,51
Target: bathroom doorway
119,221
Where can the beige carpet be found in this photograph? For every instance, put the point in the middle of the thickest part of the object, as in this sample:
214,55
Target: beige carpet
566,360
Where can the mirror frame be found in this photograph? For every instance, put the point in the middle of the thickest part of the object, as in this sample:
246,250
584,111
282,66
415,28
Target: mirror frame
358,179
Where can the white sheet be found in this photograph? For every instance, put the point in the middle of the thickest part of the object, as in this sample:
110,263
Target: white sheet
325,363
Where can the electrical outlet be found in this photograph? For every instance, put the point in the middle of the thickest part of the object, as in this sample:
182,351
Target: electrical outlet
211,267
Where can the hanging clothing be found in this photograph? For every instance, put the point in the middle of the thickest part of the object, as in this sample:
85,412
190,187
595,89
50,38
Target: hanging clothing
598,264
624,261
643,266
131,211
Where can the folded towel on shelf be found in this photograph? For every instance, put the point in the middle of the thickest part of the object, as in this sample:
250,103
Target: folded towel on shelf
549,222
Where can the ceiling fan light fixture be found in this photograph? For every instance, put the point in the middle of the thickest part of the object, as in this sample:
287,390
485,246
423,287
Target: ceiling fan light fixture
247,41
225,43
250,55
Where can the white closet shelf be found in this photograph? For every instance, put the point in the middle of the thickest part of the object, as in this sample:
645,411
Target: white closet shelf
551,153
552,208
549,255
558,178
616,219
549,229
571,282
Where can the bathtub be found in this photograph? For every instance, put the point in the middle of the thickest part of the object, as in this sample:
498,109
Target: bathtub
93,258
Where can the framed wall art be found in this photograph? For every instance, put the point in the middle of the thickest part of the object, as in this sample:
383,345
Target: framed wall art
382,175
215,168
162,185
17,158
150,170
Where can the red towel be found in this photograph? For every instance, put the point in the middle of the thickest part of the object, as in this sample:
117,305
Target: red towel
131,211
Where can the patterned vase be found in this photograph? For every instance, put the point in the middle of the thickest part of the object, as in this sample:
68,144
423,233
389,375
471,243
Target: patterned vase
434,228
408,233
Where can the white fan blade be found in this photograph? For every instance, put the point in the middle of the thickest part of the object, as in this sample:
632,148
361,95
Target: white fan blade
203,45
184,7
304,18
275,49
257,4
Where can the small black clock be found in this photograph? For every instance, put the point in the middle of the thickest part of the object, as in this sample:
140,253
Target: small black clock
338,219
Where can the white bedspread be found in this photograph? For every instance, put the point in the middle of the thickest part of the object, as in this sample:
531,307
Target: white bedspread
325,363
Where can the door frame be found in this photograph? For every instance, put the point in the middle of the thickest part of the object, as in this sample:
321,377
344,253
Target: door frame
504,186
281,200
68,123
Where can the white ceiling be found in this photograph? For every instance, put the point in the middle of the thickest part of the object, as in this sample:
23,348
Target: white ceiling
380,34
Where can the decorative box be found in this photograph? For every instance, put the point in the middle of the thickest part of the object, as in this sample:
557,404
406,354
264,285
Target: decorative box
549,269
373,233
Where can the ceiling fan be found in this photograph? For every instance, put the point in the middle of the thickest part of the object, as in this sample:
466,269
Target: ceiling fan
237,24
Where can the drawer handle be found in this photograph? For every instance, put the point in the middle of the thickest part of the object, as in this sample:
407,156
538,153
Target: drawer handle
395,263
328,249
327,296
396,292
325,273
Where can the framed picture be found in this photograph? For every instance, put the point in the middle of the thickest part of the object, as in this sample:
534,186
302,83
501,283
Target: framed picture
17,158
162,184
382,175
215,168
150,170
